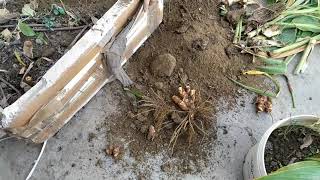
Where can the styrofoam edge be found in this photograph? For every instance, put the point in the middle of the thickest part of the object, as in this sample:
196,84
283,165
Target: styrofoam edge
99,35
256,168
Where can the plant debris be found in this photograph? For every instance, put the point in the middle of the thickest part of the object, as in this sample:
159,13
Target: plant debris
263,104
190,116
274,34
114,151
28,49
29,30
195,115
151,133
307,141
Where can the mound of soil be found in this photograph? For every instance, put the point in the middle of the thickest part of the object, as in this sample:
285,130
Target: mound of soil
200,42
58,42
287,145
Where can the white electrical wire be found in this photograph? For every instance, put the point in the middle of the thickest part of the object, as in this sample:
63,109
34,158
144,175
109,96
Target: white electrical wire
5,138
37,161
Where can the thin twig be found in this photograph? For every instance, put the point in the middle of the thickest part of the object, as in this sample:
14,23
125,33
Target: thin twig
60,29
27,71
10,85
77,37
64,7
15,25
290,91
187,10
3,71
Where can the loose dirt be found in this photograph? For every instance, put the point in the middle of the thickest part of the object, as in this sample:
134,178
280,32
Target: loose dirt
200,40
284,146
58,42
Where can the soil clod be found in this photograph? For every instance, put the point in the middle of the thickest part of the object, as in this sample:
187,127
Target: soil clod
163,65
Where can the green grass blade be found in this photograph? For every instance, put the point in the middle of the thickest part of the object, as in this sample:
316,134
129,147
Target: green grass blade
274,70
135,92
254,89
270,61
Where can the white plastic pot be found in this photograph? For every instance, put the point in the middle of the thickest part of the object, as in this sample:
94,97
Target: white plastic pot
254,166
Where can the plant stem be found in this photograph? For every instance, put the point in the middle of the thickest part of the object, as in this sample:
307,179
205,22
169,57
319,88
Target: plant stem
289,59
290,47
240,30
295,45
237,35
302,64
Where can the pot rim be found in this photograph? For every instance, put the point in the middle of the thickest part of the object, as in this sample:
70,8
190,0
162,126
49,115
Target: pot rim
290,120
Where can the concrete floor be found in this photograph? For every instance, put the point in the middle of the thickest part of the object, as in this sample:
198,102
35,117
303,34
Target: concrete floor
70,156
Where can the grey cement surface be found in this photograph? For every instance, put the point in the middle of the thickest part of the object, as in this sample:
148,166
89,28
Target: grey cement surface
70,156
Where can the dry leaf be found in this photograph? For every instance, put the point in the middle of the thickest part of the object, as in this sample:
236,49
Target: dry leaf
6,16
7,35
271,31
22,70
307,141
34,4
28,49
152,133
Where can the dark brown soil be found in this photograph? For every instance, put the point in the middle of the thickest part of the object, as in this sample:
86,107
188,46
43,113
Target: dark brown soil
283,146
194,33
58,42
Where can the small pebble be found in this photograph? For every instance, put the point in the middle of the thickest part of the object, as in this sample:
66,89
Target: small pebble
159,85
144,129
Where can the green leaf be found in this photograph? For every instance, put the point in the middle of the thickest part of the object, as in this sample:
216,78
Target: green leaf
40,39
135,92
57,10
269,2
306,23
270,61
288,36
26,29
49,22
304,34
297,171
274,70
